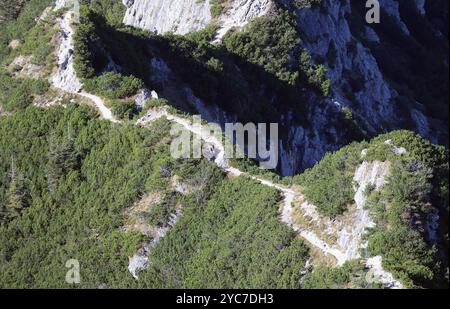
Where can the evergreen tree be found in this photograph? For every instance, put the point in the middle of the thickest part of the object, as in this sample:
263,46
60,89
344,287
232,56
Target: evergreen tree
3,213
62,158
18,196
9,9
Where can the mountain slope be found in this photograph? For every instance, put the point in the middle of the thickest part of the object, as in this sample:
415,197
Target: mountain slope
107,191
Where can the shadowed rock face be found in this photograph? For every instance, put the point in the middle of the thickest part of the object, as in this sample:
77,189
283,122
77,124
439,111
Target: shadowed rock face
327,30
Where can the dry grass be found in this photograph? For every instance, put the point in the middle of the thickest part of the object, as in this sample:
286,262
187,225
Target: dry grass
136,216
325,228
319,259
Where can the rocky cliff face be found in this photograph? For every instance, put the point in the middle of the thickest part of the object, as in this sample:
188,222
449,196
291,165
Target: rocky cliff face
327,36
241,12
178,16
184,16
65,77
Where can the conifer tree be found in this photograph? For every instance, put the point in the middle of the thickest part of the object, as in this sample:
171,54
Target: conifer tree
62,158
18,196
9,9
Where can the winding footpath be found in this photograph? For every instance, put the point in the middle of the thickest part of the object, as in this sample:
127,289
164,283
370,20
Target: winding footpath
65,79
288,194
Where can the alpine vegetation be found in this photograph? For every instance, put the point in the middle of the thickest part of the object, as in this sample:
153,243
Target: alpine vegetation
224,144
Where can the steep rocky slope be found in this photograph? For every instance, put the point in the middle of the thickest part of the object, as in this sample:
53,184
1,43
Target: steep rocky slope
178,16
181,16
381,95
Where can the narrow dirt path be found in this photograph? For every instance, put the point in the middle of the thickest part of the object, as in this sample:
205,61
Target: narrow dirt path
221,161
105,112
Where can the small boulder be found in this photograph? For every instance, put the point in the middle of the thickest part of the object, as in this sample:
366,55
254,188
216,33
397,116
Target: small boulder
210,152
142,97
14,44
137,263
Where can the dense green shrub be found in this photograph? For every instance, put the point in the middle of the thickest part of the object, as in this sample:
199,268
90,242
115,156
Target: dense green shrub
205,36
405,254
124,109
18,93
217,7
350,275
269,42
314,74
232,240
82,174
101,37
113,85
17,29
83,38
329,184
112,10
37,43
96,172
